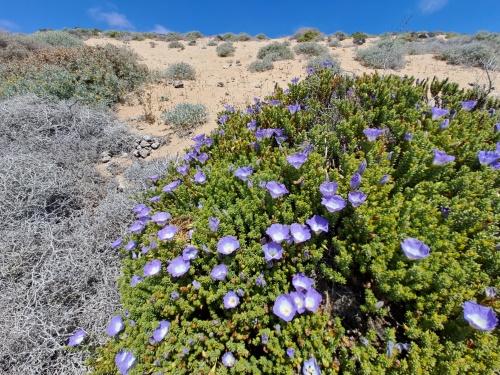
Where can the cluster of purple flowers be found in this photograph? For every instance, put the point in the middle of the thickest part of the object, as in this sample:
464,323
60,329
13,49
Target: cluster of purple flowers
490,157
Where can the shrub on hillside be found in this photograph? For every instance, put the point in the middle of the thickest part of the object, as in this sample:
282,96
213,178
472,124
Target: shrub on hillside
324,61
242,37
212,43
275,51
19,46
307,34
387,53
225,49
180,70
359,38
310,49
175,44
340,35
192,35
260,66
470,54
334,43
171,36
56,38
261,37
186,115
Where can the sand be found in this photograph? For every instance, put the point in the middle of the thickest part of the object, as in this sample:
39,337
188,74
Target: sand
240,85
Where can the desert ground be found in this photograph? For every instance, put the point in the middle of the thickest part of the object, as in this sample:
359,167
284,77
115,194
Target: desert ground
240,86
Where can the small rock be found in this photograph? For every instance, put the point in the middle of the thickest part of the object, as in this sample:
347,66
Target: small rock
155,145
140,128
136,153
144,144
220,84
238,61
178,84
192,43
258,86
138,147
225,67
238,64
124,155
144,153
106,159
147,137
105,153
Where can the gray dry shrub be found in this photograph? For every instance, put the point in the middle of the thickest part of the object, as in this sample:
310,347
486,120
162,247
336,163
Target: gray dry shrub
58,217
334,43
242,37
470,54
171,36
56,38
212,43
261,37
310,49
191,35
387,53
275,51
175,44
19,46
186,115
260,66
181,71
225,49
317,62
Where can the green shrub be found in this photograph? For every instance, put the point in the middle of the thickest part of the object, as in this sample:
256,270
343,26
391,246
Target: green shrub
261,66
382,312
261,37
175,44
275,51
180,70
359,38
192,35
138,36
310,49
318,61
307,34
340,35
186,115
172,36
225,49
227,37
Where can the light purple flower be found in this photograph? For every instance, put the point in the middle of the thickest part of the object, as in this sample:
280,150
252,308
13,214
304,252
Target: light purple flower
250,111
290,352
480,317
231,300
137,227
227,245
293,108
252,125
326,64
328,189
115,325
297,159
298,300
161,218
311,367
276,189
162,330
469,104
488,157
143,214
302,283
152,268
295,80
183,169
199,138
200,177
130,245
438,112
174,295
219,272
264,339
355,181
155,199
117,243
444,124
440,157
228,359
272,251
189,253
408,136
223,119
171,186
259,281
230,108
372,133
362,167
274,102
135,280
167,233
240,292
213,223
178,267
284,307
356,198
191,154
384,179
312,300
243,173
202,158
138,208
77,338
318,224
125,361
310,70
278,232
196,285
299,232
333,204
415,249
490,291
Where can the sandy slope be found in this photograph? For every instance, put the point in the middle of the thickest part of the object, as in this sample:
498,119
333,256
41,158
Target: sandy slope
240,85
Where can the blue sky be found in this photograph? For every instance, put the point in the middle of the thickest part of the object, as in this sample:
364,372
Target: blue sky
275,19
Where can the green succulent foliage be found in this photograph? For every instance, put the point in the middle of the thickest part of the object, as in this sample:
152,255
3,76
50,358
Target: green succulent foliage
373,295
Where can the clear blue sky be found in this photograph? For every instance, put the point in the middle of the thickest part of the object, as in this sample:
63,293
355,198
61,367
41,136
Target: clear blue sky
276,18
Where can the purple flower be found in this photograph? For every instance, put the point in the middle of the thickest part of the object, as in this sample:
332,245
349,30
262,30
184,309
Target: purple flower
171,186
199,138
213,223
293,108
480,317
333,204
297,159
440,157
178,267
362,167
469,104
488,157
274,102
189,253
298,300
302,283
230,108
152,268
384,179
295,80
326,64
227,245
372,133
209,142
117,243
130,245
202,158
272,251
161,218
310,70
191,154
219,272
415,249
143,214
250,111
278,232
137,227
139,208
264,339
223,119
228,359
357,198
438,112
491,112
155,199
167,233
200,177
115,325
284,307
328,189
196,285
408,136
318,224
77,338
183,169
231,300
259,281
174,295
444,124
355,181
162,330
125,361
243,173
311,367
445,211
252,125
290,352
300,233
312,299
490,291
276,189
135,280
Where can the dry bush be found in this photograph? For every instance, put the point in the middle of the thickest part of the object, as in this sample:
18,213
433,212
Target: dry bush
18,46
